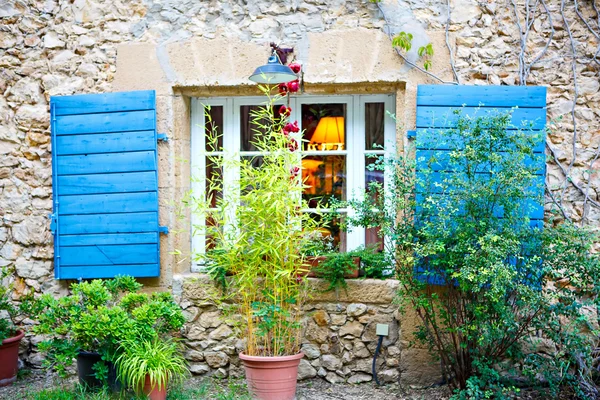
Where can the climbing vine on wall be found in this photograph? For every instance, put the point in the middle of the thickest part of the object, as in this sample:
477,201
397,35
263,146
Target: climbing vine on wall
553,36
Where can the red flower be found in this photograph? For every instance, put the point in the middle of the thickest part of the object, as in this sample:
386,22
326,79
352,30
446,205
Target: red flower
289,127
295,67
293,145
285,111
294,172
293,86
283,88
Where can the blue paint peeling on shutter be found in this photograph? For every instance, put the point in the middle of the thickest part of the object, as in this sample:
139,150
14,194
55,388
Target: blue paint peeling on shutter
435,119
105,185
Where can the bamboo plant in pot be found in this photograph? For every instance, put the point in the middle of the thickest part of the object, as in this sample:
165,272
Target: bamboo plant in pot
255,238
10,336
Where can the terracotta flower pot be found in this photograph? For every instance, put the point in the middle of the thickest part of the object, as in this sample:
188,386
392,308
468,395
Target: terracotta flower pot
272,378
154,393
9,359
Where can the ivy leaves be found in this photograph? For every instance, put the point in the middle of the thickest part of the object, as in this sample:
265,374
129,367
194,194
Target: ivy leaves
403,40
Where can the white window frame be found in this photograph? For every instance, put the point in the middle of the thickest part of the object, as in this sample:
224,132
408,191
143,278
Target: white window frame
354,149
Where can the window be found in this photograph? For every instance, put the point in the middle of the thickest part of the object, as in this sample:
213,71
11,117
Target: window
344,134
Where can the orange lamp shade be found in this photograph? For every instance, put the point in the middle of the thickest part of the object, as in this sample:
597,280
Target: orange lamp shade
329,130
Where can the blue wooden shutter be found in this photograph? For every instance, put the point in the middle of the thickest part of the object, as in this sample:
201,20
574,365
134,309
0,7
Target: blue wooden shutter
105,185
435,116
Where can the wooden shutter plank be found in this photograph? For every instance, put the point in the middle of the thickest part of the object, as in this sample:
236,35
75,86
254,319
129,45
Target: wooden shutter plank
489,96
108,223
445,117
439,160
442,139
105,123
137,161
105,143
109,271
109,254
105,102
108,203
107,183
109,239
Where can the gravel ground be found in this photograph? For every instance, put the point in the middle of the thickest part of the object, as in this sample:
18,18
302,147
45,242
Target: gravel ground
318,389
315,389
31,381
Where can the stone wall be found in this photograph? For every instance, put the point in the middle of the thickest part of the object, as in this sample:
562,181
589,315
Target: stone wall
339,334
184,48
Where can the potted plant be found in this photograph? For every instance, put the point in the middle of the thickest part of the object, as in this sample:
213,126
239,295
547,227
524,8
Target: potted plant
256,235
374,263
10,336
316,250
149,365
336,267
90,323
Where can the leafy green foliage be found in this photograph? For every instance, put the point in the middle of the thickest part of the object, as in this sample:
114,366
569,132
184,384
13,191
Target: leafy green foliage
206,389
256,233
97,316
426,51
403,40
505,287
7,327
315,244
334,268
158,359
374,263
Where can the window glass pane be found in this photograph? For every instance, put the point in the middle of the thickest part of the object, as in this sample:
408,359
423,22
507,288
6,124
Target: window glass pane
324,126
373,175
211,228
255,161
250,128
213,127
333,229
374,124
214,181
325,177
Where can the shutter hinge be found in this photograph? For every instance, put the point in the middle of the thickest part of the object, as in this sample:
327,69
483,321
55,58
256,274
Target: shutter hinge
162,137
163,229
52,223
411,134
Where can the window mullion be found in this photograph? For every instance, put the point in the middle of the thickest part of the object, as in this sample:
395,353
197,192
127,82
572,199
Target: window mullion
355,166
231,171
198,174
390,138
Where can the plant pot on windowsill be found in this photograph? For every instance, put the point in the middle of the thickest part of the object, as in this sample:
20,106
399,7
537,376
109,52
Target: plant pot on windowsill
312,262
272,378
9,358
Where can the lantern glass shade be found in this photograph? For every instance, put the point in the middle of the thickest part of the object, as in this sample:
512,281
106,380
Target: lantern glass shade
329,133
273,72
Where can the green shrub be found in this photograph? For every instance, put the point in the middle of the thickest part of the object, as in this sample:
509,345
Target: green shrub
374,262
503,285
334,268
97,316
7,327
